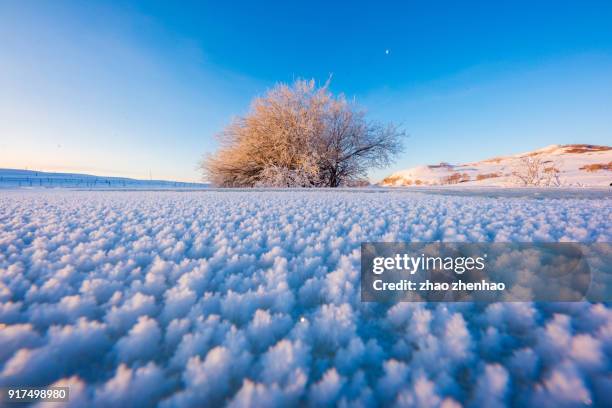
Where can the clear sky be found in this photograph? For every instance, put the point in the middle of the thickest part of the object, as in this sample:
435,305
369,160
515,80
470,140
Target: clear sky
132,88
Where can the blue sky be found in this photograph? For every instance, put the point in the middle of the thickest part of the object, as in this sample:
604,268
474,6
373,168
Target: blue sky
132,88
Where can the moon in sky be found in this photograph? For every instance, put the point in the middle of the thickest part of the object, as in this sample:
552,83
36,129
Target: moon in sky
387,52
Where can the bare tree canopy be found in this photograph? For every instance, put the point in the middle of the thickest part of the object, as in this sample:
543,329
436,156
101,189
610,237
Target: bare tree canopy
301,135
532,171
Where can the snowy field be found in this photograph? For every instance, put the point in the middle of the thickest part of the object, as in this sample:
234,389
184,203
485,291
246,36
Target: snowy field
190,299
14,178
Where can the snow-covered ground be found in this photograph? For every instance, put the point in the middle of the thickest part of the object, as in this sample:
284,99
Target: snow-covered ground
14,178
577,165
188,299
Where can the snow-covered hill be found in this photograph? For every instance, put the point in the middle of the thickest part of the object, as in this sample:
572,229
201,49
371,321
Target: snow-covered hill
575,165
11,178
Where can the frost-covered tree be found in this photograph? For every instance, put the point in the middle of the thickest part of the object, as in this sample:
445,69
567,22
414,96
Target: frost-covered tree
532,171
301,135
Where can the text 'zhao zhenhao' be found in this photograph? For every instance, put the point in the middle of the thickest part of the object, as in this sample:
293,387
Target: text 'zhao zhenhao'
394,272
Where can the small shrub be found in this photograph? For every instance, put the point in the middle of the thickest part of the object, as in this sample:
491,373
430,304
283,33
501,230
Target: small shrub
597,167
532,171
456,178
391,180
487,176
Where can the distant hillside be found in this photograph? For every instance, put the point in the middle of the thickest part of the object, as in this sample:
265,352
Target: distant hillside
31,178
575,165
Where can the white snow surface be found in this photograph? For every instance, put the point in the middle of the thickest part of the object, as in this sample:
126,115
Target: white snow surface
189,299
574,162
15,178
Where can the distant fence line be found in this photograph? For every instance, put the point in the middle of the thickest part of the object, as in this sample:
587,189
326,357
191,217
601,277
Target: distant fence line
90,182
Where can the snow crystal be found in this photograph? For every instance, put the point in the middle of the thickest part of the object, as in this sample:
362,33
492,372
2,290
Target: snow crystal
251,298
